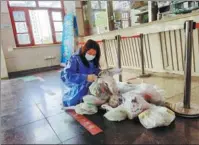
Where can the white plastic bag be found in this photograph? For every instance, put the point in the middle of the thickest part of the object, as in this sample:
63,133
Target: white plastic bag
125,87
93,100
115,101
105,87
100,89
134,104
110,72
106,107
156,116
151,93
116,114
111,83
85,108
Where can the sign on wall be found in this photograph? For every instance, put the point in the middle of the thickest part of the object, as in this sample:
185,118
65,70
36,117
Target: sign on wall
101,19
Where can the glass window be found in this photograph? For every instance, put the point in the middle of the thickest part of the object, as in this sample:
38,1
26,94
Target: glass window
58,26
95,5
22,3
57,16
19,16
50,4
36,25
23,39
41,26
98,4
21,27
58,36
121,5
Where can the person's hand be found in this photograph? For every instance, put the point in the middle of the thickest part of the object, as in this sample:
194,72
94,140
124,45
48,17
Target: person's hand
91,78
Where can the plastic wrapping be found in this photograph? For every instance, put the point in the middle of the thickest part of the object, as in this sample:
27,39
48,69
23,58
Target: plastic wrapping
134,104
93,100
100,89
151,93
125,87
134,100
156,116
115,100
105,87
86,108
110,72
116,114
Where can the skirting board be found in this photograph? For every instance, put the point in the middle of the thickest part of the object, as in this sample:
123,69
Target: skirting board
31,71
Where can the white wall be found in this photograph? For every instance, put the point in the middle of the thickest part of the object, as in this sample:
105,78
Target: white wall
4,72
18,59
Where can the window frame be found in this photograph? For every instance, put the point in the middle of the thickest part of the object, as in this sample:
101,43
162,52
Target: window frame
11,9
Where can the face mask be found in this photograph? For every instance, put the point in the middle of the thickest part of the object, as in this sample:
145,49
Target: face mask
89,57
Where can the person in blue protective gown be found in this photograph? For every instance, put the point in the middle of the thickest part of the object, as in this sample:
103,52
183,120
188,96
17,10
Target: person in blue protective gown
80,71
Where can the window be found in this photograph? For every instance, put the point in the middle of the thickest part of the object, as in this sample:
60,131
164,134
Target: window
36,22
96,5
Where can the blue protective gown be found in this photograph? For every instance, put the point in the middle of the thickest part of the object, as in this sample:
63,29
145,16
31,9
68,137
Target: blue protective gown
74,76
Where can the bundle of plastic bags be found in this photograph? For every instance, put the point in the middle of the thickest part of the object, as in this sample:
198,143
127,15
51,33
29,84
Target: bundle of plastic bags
141,102
156,116
105,87
103,90
132,106
126,101
151,93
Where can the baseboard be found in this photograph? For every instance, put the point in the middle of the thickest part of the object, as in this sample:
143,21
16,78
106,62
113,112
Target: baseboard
32,71
5,78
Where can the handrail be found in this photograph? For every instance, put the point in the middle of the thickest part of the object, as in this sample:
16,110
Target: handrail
134,36
82,43
123,37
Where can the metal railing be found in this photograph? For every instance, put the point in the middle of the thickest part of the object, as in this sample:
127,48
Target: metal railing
179,51
127,52
186,108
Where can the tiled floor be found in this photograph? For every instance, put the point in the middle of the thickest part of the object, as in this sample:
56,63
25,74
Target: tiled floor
31,113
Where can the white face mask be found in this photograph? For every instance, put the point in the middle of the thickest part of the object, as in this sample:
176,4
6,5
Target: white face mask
89,57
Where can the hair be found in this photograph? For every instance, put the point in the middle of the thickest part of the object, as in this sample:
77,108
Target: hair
90,44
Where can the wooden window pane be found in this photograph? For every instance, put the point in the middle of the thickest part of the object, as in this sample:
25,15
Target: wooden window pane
23,39
58,26
19,16
21,27
57,16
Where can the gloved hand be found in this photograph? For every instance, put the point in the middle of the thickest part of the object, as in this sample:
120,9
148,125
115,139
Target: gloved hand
91,78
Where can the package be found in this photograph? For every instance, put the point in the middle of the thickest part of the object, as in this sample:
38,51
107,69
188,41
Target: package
156,116
116,114
151,93
134,104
